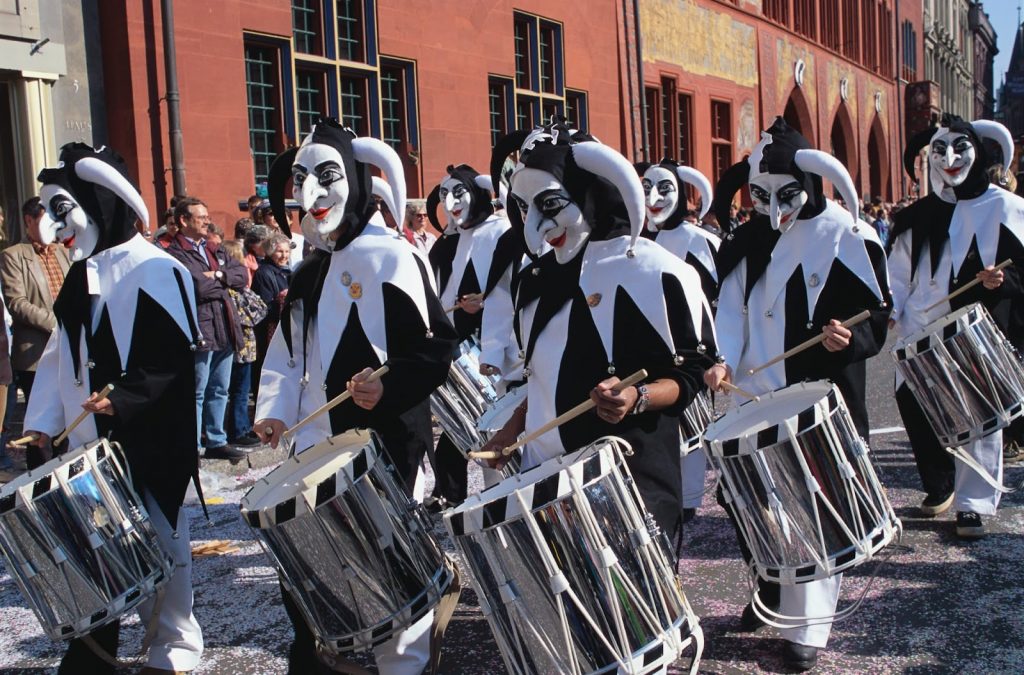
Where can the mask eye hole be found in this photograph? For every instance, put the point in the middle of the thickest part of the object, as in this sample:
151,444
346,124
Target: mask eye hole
760,194
521,205
939,147
299,177
552,205
458,191
961,145
666,187
789,194
647,186
329,176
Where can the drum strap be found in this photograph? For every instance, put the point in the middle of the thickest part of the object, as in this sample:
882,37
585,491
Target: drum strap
962,455
151,626
443,614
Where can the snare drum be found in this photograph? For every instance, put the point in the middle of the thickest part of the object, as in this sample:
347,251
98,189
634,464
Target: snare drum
570,571
78,541
354,551
965,375
493,420
694,420
462,399
800,483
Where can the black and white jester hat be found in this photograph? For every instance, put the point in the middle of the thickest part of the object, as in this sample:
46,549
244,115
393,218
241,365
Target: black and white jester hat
600,180
479,186
783,150
978,130
97,180
357,154
683,174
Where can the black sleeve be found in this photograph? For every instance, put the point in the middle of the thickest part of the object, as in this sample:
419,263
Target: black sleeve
697,355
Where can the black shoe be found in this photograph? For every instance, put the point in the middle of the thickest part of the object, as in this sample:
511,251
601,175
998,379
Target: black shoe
225,452
933,505
435,504
250,440
750,621
688,515
1013,453
800,658
969,525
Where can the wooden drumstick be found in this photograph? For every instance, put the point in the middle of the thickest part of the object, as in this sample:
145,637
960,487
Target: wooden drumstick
970,284
340,398
81,417
730,387
468,296
24,440
807,344
558,421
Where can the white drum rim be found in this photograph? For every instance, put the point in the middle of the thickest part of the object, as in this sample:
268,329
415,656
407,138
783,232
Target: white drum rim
934,332
58,465
721,439
499,410
351,453
497,504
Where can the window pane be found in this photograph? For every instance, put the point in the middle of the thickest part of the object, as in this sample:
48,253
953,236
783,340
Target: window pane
306,26
721,120
353,103
311,100
262,103
350,31
525,112
547,59
497,91
392,100
685,129
522,47
653,113
668,125
551,108
576,109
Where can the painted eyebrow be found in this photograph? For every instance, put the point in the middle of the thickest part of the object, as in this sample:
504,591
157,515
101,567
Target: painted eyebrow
59,199
541,196
329,164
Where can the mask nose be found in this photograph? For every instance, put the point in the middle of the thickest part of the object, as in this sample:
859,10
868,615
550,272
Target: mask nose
311,191
652,197
48,228
774,211
950,155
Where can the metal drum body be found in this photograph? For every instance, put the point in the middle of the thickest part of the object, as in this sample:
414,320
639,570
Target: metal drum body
568,572
462,399
355,552
495,417
694,420
801,484
78,541
965,375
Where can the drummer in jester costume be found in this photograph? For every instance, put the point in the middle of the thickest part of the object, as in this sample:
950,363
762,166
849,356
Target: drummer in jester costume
599,305
797,270
665,200
956,234
363,299
474,262
126,316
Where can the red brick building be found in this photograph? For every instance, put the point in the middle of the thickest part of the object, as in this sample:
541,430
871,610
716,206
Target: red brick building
716,72
436,80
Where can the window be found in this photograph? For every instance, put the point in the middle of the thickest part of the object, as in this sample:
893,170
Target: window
307,26
526,112
310,98
685,108
668,114
721,138
351,45
499,100
392,104
263,102
547,57
909,66
354,106
885,33
805,18
576,109
850,46
870,16
830,35
652,113
524,48
777,11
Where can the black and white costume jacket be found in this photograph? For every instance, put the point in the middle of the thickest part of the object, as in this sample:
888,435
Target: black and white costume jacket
126,316
778,290
374,303
696,246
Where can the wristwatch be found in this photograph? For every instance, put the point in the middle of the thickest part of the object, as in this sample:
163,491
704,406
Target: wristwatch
218,275
643,399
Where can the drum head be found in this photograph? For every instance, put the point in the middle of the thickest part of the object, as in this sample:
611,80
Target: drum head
756,416
307,471
495,417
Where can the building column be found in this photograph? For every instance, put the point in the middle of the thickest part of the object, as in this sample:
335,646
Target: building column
35,146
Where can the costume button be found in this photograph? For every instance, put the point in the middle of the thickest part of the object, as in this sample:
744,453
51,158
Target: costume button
810,325
768,314
611,368
744,309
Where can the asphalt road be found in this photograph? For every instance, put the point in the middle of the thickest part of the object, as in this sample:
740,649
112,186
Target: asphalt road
935,605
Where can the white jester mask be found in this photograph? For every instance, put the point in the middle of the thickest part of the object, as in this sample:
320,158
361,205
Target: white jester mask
67,223
954,154
320,185
457,200
661,194
550,216
779,196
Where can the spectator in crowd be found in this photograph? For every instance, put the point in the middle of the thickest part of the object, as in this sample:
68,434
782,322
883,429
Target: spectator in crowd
6,384
165,235
242,228
253,203
31,274
214,235
415,226
271,284
734,217
213,272
251,310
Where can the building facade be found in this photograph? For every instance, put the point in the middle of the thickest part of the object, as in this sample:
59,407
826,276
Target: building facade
949,54
717,72
985,50
1011,94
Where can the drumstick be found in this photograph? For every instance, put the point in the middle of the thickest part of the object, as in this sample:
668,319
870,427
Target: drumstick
24,440
468,296
85,413
730,387
340,398
970,284
807,344
558,421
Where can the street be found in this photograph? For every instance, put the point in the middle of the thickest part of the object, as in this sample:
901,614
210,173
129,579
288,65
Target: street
933,605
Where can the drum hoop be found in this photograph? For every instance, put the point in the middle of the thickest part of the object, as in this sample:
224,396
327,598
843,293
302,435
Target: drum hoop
498,504
941,330
513,397
44,478
767,434
313,495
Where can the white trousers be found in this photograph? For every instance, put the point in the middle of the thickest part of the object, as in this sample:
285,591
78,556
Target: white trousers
693,467
972,493
813,599
178,641
408,652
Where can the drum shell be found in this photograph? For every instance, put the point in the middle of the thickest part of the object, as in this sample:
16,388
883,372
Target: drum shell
495,418
801,485
465,395
965,375
78,541
506,564
694,420
355,552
